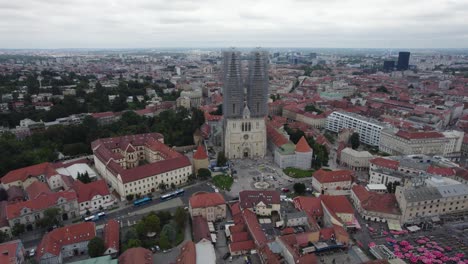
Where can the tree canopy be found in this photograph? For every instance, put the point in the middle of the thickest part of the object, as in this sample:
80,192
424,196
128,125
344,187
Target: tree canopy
96,247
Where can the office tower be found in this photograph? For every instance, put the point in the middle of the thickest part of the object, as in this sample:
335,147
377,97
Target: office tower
257,88
388,65
403,60
233,89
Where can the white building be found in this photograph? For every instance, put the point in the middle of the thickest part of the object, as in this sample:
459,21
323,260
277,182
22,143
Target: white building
368,129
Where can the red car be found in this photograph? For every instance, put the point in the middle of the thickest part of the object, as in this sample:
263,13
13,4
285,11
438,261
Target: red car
285,190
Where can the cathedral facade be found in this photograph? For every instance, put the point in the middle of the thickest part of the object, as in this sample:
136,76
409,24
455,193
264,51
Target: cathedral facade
244,113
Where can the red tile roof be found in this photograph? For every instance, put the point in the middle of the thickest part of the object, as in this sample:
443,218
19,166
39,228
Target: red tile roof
235,208
254,227
250,198
35,170
386,163
441,171
238,228
338,203
136,255
53,241
41,202
9,250
241,236
302,145
200,154
188,254
241,246
324,176
311,205
15,194
37,188
200,229
376,202
112,235
203,200
86,192
419,135
276,137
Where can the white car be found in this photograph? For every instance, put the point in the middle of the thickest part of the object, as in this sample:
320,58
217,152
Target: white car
32,253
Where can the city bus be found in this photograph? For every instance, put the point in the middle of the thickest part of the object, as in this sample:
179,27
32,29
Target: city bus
173,194
95,217
142,201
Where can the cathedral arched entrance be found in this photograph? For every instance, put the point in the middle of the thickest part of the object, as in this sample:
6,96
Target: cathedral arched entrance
246,153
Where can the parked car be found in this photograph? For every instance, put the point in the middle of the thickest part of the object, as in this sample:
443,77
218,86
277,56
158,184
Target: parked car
153,249
226,256
32,253
285,190
167,250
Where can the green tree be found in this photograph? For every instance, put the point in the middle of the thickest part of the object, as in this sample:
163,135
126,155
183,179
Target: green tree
170,232
133,243
221,160
84,177
96,247
130,197
51,217
299,188
17,229
4,237
153,223
354,140
180,216
382,89
164,242
130,234
162,186
204,173
173,186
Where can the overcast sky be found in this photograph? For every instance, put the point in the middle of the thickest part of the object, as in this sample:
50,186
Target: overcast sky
241,23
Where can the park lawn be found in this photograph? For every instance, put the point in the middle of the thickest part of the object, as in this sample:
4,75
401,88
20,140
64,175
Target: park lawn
223,181
298,173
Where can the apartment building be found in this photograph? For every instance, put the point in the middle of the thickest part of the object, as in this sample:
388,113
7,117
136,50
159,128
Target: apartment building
431,197
332,182
260,202
369,130
139,164
380,207
355,160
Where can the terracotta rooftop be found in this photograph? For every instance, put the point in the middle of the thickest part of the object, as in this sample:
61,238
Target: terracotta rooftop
324,176
203,200
303,146
136,255
37,188
112,235
311,205
337,203
41,202
386,163
254,227
9,250
22,174
200,229
53,241
441,171
86,192
200,154
419,135
376,202
241,246
188,254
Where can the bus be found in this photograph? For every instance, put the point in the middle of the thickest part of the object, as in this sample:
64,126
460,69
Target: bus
142,201
173,194
95,217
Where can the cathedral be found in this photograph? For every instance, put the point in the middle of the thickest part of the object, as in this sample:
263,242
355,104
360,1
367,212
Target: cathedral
244,113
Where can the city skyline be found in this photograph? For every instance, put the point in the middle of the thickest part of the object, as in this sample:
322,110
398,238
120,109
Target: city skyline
53,24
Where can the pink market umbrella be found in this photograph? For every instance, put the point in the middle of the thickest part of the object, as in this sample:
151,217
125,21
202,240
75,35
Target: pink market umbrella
448,248
459,255
445,258
414,260
388,239
404,243
385,232
421,241
420,249
371,244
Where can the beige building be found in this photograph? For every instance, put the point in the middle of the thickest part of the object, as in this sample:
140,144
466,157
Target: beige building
399,142
139,164
294,112
210,206
332,182
355,160
262,203
245,137
183,101
429,198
